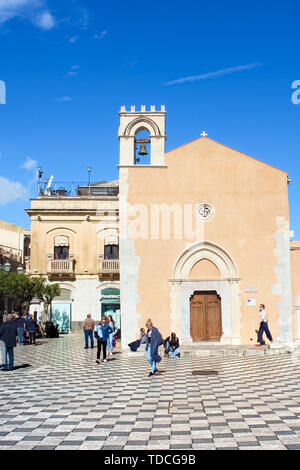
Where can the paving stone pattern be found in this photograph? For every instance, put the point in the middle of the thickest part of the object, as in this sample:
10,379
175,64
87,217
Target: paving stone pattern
61,399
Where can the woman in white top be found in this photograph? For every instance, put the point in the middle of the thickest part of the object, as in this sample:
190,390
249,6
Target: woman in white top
263,325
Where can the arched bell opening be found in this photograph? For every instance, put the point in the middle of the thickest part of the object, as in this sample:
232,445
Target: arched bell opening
142,149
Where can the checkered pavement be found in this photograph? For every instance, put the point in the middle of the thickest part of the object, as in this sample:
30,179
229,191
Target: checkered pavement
61,399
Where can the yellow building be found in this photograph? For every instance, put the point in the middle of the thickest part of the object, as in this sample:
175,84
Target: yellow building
75,242
203,233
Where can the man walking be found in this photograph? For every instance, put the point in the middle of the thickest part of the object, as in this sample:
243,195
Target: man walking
88,328
263,326
20,322
31,328
8,333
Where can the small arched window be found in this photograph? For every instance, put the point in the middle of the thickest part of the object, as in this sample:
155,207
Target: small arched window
61,247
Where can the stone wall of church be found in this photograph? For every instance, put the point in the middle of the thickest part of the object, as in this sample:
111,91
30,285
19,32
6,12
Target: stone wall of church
247,197
295,272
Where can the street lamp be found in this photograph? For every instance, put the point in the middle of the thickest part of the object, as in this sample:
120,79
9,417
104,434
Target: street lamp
7,267
40,174
20,270
89,171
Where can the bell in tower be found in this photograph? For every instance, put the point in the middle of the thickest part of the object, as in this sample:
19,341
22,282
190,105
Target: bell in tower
143,150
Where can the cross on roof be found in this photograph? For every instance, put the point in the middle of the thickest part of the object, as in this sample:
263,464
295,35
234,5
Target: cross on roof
203,134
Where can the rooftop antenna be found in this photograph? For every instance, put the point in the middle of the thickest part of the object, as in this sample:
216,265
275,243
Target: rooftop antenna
47,190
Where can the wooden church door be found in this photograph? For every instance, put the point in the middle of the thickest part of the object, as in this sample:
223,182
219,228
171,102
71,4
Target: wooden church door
205,316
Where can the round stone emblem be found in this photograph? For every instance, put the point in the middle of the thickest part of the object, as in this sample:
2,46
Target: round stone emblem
205,210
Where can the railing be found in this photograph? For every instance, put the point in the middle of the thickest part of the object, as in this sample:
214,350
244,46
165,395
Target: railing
11,253
109,266
61,266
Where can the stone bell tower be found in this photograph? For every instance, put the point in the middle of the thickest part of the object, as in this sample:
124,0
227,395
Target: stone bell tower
134,121
131,123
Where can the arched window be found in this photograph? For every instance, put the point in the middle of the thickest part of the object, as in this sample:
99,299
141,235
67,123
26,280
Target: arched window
111,251
61,247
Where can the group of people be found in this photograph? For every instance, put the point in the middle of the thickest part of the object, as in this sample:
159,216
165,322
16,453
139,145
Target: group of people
105,334
152,339
13,329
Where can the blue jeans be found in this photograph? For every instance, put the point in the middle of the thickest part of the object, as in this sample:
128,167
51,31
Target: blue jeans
89,334
171,352
20,335
151,360
264,328
110,342
10,353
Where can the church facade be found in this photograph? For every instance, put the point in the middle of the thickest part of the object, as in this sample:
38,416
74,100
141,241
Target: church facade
194,239
204,239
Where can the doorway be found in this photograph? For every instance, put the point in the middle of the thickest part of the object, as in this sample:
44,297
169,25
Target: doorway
205,316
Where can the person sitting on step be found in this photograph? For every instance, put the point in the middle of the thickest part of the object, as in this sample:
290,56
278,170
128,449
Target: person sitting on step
171,344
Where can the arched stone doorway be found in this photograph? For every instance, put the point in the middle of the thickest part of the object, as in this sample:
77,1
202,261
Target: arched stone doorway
222,279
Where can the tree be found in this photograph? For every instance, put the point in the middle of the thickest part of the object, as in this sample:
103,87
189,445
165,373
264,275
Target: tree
50,291
27,288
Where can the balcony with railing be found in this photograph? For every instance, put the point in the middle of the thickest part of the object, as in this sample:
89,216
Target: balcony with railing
108,266
60,267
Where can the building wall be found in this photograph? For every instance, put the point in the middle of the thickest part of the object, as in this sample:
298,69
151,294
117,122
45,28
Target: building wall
12,235
251,223
88,223
295,269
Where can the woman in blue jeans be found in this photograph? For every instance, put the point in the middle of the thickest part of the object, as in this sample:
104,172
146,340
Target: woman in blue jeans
153,341
110,346
102,332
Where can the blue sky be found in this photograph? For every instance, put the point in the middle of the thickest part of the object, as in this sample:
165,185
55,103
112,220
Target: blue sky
226,67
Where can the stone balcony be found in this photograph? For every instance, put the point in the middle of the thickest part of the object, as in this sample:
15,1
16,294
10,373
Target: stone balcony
108,267
61,267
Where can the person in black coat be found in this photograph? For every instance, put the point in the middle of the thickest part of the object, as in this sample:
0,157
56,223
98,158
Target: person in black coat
153,341
8,333
31,328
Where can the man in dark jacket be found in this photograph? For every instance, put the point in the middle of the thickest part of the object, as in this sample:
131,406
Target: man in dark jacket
8,333
31,328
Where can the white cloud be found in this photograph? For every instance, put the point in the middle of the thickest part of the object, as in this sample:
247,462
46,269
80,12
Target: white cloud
29,164
10,191
65,99
100,36
218,73
45,21
34,10
73,39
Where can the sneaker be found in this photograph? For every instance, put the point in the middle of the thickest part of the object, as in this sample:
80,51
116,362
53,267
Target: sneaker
104,360
150,374
97,360
155,372
257,344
